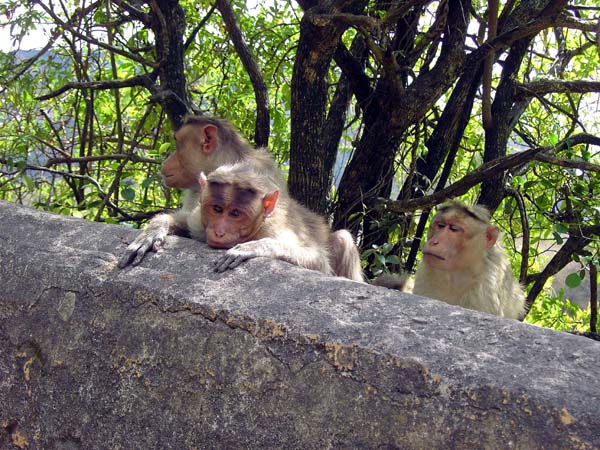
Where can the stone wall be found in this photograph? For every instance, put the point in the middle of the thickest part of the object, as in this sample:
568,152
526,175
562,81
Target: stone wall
170,355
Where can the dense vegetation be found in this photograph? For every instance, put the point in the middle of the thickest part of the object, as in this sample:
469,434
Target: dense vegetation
377,111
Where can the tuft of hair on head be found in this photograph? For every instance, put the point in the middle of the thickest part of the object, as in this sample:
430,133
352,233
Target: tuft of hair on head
242,175
477,212
228,134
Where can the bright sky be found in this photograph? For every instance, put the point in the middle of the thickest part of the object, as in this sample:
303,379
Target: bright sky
36,39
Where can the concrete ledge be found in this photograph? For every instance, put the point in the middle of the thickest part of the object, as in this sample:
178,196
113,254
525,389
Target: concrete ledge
171,355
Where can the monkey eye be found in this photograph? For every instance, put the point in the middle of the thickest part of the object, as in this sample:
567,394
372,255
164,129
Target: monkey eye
235,213
218,209
455,228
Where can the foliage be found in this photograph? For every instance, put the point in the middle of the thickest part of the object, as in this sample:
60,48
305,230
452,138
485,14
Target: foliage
376,109
559,313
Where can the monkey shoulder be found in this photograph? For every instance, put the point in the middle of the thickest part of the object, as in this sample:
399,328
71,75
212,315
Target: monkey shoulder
310,228
264,164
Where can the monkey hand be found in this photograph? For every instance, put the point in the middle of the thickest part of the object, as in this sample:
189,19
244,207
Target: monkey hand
148,240
243,252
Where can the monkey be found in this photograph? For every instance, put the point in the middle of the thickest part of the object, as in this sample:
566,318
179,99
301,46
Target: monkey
242,211
201,145
464,264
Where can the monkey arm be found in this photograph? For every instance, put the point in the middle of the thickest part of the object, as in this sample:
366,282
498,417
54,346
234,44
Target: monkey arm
151,239
311,258
245,251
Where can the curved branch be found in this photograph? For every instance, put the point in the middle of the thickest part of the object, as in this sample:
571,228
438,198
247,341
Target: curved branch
140,80
541,87
485,171
526,234
198,27
263,127
354,70
568,163
114,157
486,100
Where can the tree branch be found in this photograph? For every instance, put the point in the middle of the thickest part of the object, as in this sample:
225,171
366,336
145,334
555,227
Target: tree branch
198,27
146,81
263,127
486,100
88,178
526,238
593,297
114,157
541,87
485,171
91,40
568,163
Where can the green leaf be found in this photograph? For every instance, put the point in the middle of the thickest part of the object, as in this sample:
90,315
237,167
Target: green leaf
148,181
560,228
573,280
393,259
128,194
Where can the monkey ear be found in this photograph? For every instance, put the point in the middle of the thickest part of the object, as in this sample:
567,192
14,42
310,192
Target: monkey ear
211,138
269,202
491,236
202,180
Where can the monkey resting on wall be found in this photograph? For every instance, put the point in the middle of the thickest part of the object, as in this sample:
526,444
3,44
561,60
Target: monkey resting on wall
242,210
464,264
202,145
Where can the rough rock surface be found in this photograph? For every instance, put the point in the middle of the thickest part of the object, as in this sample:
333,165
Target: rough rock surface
170,355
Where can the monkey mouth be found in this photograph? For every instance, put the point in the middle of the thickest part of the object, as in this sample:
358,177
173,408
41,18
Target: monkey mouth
441,258
220,245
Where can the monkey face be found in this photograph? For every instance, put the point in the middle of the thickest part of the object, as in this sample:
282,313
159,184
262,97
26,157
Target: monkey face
452,245
230,215
194,148
228,225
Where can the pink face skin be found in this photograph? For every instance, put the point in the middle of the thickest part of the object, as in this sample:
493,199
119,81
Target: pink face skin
231,215
456,243
195,146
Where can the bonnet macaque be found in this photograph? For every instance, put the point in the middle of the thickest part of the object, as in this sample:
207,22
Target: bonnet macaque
202,145
464,264
242,210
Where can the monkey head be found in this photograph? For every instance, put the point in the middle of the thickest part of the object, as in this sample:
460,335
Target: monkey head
233,209
458,238
196,150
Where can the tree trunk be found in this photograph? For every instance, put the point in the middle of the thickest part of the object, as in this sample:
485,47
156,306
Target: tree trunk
309,180
168,24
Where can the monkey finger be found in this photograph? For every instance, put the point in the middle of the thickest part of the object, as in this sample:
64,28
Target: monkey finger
130,253
238,260
126,258
158,243
222,264
139,256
